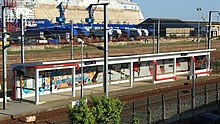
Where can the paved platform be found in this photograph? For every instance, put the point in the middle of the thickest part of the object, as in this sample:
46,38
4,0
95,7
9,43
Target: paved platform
58,100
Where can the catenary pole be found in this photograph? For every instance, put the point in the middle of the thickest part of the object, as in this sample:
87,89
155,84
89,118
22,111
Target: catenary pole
22,38
82,73
4,58
105,82
158,36
209,28
154,38
71,38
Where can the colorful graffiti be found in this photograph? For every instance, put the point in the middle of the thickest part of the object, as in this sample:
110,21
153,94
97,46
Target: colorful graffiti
62,78
201,62
57,79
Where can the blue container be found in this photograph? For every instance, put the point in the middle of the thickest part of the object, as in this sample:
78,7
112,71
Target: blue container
52,41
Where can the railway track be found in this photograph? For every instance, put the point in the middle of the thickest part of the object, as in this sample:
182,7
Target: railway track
47,55
144,95
61,115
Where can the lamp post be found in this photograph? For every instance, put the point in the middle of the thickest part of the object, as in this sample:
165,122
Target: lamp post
4,58
79,40
71,38
158,35
206,38
209,28
82,75
59,38
198,31
218,22
22,38
154,38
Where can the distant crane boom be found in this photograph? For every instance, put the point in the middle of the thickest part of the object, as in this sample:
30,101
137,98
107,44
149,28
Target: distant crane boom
61,19
67,4
91,11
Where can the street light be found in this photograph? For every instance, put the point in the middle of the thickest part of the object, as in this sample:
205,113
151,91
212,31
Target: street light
82,75
158,35
198,33
22,38
59,38
218,23
209,28
71,38
79,40
206,38
4,55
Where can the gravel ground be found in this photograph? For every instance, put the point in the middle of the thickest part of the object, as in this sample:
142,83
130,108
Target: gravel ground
140,109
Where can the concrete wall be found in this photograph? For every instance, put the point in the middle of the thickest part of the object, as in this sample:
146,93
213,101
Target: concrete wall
178,32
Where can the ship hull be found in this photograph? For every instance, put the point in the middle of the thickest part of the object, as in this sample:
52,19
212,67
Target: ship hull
78,14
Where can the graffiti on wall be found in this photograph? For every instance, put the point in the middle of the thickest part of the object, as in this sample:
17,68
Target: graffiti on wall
62,78
201,62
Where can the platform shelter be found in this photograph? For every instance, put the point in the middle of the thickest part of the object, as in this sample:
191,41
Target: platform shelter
42,78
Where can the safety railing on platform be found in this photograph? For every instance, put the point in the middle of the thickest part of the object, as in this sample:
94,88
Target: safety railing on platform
172,105
215,66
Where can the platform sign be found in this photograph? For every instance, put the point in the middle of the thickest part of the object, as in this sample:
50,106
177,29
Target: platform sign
89,62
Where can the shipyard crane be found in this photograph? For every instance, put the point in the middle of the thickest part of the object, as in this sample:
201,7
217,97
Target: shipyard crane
91,11
61,19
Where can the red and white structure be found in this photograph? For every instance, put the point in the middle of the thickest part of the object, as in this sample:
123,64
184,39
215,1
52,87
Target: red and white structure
39,77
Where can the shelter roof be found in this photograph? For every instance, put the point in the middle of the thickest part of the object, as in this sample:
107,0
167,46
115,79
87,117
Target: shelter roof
164,23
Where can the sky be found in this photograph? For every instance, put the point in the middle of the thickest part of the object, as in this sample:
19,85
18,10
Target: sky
180,9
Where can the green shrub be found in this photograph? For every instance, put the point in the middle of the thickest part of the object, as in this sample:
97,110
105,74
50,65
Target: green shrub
135,120
102,110
81,114
107,110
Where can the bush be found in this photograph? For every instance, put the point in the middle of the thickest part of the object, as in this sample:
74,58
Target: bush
103,110
107,110
135,120
81,114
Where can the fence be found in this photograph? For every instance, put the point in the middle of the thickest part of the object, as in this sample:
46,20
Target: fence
215,66
172,105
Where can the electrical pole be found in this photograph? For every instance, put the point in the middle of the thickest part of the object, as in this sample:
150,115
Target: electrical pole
71,38
206,38
82,73
210,32
105,82
154,39
4,58
209,29
90,20
198,31
22,38
158,36
192,67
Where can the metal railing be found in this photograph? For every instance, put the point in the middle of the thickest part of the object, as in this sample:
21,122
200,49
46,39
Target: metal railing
172,105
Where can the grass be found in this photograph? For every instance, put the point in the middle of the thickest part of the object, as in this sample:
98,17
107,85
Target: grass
68,48
37,51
